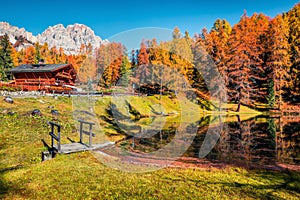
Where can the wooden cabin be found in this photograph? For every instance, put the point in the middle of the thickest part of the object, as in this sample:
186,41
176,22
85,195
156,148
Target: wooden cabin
44,77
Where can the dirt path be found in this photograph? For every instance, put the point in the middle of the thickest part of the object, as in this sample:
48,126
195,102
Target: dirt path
141,159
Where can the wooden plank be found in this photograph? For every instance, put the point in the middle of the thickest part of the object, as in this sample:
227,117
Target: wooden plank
85,122
73,147
55,124
78,147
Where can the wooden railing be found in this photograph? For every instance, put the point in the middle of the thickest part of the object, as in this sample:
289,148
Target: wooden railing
89,132
55,136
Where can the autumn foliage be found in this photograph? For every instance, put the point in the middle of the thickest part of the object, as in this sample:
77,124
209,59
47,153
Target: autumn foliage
258,59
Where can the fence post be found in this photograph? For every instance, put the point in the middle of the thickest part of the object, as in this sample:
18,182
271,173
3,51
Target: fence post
80,131
91,134
58,141
52,138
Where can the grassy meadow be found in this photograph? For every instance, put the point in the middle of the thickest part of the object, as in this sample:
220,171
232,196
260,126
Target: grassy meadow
81,176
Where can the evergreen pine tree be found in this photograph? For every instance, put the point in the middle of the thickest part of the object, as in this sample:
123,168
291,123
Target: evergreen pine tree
124,71
6,61
271,94
38,56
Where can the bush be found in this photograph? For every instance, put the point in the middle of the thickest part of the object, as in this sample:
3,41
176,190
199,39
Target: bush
9,89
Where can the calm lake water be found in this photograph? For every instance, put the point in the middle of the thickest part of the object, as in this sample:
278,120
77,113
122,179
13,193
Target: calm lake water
263,140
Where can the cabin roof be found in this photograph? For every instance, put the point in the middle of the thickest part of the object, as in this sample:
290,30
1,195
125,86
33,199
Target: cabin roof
38,68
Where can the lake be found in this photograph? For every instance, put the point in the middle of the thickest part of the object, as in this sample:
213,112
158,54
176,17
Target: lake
259,141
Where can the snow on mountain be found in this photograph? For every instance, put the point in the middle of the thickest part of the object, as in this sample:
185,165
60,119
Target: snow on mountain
19,37
69,38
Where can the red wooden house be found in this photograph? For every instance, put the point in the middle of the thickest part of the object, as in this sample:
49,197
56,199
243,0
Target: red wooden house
44,77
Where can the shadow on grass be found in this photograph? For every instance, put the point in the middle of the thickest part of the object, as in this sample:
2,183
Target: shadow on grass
7,188
112,124
286,180
261,184
46,145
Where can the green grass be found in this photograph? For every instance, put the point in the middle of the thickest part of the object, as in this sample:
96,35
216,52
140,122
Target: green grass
82,176
243,110
145,107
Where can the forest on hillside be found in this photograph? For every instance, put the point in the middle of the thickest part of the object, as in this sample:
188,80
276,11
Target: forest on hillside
258,59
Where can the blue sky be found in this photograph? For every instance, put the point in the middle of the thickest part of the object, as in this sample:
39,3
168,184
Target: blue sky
108,18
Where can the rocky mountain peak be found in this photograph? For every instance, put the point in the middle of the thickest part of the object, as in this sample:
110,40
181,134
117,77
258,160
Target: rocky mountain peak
15,34
69,38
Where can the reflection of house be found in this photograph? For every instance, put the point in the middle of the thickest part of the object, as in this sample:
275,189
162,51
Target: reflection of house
44,77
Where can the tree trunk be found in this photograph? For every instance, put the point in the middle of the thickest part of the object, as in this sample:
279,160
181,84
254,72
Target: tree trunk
239,106
280,101
280,91
239,103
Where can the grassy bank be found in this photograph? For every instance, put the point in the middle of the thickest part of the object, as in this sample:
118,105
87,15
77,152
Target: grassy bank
82,176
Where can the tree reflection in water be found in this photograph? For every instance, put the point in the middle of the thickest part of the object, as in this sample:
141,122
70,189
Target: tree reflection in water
259,141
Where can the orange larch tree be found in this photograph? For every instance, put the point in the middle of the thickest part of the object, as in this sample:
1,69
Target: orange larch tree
294,41
245,63
277,60
216,43
29,57
108,61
